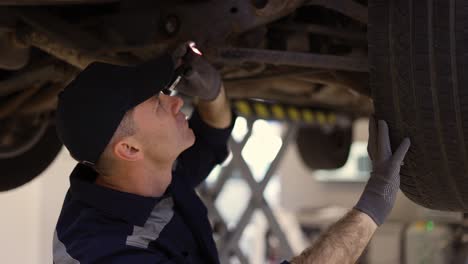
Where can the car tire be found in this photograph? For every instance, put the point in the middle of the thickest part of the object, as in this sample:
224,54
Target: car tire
418,57
321,150
21,169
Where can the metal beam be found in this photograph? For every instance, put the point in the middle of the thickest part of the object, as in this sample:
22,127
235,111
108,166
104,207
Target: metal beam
299,59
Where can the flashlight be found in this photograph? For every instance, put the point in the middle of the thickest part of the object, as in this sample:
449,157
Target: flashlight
194,48
192,52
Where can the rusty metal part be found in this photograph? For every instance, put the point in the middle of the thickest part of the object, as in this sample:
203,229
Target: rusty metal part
18,135
349,8
13,55
74,56
37,98
54,2
69,34
224,19
301,59
322,88
161,25
36,75
63,40
275,7
242,71
322,30
14,103
71,43
43,101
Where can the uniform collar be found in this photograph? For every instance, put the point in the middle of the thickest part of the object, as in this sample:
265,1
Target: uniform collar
132,208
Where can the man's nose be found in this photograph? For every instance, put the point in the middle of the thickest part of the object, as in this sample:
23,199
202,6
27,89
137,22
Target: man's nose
178,103
175,103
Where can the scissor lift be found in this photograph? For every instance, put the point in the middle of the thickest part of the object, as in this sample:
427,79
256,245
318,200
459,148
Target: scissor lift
228,242
228,238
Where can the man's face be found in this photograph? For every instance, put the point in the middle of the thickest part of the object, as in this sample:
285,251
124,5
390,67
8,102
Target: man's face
162,128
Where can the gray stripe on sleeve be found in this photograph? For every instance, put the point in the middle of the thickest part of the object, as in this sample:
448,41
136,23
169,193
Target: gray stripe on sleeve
60,253
158,219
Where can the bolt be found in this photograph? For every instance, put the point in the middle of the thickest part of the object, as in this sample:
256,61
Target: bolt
171,25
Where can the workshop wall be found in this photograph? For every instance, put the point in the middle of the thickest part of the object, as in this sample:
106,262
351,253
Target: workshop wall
30,214
18,225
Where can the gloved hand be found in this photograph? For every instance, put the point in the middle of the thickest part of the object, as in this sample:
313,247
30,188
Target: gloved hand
379,195
200,78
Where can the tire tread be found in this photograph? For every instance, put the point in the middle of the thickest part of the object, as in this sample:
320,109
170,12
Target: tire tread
418,65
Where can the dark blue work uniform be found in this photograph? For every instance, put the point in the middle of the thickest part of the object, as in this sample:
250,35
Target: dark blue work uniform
102,225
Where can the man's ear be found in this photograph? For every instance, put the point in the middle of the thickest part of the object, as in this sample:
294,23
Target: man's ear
128,149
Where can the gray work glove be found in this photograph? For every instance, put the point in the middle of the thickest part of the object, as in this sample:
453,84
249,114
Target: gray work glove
380,192
200,78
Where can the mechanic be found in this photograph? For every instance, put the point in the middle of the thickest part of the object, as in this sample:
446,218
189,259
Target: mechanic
131,197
